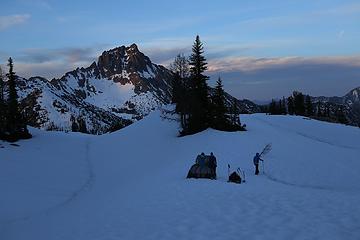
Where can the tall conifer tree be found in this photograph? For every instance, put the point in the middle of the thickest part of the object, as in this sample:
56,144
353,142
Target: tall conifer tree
284,109
15,124
200,109
308,106
299,104
272,107
290,104
12,101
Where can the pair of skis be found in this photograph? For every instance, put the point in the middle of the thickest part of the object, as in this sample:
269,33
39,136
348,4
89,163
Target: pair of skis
242,174
265,151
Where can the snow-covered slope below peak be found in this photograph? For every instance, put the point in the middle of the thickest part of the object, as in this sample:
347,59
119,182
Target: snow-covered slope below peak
133,182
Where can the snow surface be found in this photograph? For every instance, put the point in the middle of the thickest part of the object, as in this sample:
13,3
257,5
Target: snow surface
116,93
131,184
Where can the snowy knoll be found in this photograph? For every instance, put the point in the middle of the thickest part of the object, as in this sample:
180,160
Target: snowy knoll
131,184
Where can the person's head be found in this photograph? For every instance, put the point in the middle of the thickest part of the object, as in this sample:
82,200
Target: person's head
211,154
202,154
257,154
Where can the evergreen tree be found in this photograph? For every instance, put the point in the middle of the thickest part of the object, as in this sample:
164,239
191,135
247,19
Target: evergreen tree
74,125
82,125
290,104
191,94
308,106
235,117
12,101
200,109
219,117
15,124
340,115
273,107
283,109
176,90
299,105
279,107
2,107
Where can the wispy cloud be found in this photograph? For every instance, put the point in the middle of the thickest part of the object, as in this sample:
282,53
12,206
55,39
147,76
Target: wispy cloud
11,20
71,55
52,63
266,78
48,69
246,64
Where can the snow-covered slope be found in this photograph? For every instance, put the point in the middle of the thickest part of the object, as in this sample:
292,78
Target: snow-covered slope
131,184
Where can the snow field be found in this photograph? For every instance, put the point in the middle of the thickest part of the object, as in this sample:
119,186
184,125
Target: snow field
138,187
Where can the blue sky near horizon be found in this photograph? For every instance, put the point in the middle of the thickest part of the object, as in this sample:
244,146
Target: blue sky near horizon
245,41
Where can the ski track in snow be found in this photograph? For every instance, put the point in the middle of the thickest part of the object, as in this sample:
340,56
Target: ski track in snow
306,186
85,187
276,180
306,135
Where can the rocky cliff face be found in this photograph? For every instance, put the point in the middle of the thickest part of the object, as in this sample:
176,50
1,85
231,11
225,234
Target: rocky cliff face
120,88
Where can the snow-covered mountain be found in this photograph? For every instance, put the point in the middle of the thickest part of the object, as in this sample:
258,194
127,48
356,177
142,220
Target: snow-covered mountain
120,88
353,97
349,104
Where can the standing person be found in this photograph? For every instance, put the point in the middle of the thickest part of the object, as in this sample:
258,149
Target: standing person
257,159
200,159
213,164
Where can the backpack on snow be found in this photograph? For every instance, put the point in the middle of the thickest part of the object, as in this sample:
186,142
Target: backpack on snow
235,178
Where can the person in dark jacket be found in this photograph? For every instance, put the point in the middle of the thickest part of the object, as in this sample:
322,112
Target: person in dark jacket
257,160
213,163
200,159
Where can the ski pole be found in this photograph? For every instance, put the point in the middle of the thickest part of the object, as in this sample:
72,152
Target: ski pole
228,171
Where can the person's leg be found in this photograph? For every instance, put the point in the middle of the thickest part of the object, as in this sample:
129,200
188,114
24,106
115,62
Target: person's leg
256,169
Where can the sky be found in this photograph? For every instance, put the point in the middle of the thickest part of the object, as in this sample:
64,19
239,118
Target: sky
261,49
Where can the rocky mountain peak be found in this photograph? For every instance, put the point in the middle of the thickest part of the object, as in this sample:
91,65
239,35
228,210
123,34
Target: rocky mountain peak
133,48
122,61
353,96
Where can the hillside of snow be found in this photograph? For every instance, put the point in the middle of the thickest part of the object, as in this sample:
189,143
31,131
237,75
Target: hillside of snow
131,184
